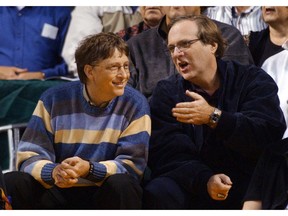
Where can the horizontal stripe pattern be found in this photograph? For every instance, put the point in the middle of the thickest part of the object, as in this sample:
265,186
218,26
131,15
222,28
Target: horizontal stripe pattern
64,125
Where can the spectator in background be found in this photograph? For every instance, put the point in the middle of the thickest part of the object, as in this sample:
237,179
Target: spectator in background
244,18
92,20
151,17
210,123
31,42
86,144
269,185
269,49
150,57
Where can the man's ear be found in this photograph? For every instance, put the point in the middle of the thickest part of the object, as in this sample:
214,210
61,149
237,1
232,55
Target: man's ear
88,69
214,48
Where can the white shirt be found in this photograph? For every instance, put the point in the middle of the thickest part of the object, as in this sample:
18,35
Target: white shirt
249,20
277,67
92,20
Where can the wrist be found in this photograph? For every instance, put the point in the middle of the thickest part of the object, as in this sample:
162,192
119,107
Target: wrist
90,170
214,118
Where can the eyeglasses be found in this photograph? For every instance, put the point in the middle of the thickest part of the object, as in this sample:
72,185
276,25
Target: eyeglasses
182,45
116,69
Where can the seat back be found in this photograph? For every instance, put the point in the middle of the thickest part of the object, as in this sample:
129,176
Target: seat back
13,132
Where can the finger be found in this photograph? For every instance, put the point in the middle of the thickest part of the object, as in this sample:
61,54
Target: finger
225,179
180,111
71,161
184,105
58,179
186,117
221,196
186,121
67,183
71,173
193,95
20,70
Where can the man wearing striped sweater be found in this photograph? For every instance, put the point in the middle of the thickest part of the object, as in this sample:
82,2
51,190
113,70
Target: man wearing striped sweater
86,144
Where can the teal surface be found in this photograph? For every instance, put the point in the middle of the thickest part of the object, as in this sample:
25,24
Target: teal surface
18,99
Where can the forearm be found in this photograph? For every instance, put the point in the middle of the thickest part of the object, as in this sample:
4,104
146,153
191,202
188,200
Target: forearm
59,70
252,205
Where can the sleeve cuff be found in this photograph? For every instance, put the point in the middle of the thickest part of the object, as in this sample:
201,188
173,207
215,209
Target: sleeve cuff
97,173
46,173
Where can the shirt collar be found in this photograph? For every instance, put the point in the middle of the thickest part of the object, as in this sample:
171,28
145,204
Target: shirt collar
87,98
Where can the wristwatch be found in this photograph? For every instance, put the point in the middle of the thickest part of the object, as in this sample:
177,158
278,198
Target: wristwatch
214,118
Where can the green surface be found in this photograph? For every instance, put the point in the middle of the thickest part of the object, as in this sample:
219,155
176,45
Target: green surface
18,99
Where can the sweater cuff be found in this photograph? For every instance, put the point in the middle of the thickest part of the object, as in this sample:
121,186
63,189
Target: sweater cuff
202,185
226,124
46,173
97,172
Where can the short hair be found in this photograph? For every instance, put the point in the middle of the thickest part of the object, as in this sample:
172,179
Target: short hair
95,48
208,32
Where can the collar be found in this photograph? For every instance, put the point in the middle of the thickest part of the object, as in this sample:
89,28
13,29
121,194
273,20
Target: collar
162,28
87,98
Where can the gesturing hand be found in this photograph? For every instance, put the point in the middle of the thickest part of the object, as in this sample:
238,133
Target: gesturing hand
195,112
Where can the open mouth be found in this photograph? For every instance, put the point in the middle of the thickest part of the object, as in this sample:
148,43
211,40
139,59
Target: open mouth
269,9
182,65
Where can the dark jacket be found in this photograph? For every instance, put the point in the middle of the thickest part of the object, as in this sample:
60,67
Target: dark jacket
151,60
261,47
251,119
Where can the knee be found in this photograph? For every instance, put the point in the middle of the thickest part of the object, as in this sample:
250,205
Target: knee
163,193
121,191
156,189
17,179
122,183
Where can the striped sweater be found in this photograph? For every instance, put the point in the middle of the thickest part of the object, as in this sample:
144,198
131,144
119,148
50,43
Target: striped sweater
115,138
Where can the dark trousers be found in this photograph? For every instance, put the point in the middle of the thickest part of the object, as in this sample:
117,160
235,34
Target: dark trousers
119,191
165,193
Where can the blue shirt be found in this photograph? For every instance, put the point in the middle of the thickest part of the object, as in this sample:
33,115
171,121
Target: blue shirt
33,38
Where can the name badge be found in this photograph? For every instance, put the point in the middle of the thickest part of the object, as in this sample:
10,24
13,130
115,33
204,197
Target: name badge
49,31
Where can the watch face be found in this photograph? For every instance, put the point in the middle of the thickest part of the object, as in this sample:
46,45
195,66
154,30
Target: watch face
214,118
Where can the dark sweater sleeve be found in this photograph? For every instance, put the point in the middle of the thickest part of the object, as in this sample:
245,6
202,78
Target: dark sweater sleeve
173,151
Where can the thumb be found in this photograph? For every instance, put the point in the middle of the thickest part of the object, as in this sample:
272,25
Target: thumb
21,70
225,179
193,95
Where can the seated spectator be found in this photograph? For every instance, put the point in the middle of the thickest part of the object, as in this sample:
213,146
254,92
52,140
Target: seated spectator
269,49
86,144
31,42
151,17
269,184
210,122
92,20
244,18
150,57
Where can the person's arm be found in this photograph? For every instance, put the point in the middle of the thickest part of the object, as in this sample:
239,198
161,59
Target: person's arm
252,205
10,73
46,59
254,119
84,21
36,154
174,149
